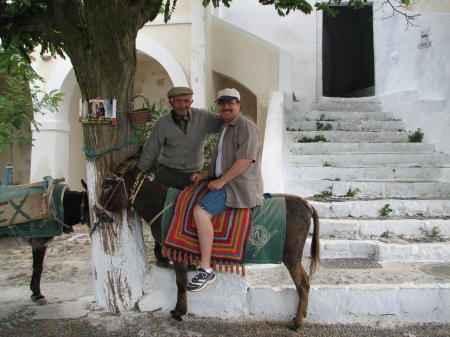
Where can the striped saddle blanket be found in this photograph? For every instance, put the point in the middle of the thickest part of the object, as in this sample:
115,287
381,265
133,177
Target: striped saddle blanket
231,231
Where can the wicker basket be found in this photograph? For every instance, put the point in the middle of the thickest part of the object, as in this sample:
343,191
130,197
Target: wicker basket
139,116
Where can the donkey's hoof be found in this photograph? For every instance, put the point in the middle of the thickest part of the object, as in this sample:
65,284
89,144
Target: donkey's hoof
292,327
175,316
39,300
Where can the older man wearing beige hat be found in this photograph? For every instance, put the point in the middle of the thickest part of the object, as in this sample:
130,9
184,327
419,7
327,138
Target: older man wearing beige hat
180,137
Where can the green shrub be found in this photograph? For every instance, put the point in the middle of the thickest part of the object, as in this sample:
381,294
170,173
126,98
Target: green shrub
317,138
416,137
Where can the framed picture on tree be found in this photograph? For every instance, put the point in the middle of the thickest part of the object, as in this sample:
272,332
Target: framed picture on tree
97,111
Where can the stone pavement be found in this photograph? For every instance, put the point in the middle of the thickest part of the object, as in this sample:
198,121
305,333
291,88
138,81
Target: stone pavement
29,323
398,299
78,318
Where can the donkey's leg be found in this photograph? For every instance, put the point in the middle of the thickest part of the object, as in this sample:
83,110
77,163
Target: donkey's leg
301,281
38,248
298,220
182,281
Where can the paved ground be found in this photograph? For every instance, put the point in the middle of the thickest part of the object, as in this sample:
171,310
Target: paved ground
67,284
159,324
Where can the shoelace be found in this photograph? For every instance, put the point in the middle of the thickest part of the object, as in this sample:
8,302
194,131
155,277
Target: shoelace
202,274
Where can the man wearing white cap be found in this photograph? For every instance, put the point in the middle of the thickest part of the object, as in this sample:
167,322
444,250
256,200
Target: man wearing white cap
233,177
180,136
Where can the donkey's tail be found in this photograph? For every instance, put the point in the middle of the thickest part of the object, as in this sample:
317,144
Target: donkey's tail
315,244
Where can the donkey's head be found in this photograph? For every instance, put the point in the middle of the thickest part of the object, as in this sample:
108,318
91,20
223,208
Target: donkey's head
114,195
76,207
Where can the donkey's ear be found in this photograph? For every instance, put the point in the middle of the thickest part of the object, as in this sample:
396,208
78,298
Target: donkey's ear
84,184
129,163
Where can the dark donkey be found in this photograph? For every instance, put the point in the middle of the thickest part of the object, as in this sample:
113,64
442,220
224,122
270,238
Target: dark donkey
76,210
149,203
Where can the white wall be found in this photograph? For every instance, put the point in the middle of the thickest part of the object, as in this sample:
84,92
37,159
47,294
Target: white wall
411,82
295,33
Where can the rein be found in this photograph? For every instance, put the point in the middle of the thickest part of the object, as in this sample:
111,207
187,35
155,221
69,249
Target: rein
114,178
102,212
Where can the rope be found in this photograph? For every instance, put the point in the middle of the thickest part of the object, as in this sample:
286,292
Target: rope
160,213
98,155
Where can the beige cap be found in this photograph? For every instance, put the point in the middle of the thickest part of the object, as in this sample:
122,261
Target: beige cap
177,91
228,94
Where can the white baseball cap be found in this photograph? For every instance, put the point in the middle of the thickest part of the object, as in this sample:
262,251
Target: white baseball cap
228,94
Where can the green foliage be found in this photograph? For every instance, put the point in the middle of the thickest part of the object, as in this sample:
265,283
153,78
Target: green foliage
317,138
322,118
435,232
18,104
386,210
325,194
354,193
386,235
143,131
26,41
416,137
284,7
320,126
168,10
210,142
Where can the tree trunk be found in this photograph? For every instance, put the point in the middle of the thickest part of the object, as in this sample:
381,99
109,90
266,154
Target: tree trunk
105,67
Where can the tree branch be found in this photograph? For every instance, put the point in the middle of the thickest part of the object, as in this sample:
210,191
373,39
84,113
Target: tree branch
395,7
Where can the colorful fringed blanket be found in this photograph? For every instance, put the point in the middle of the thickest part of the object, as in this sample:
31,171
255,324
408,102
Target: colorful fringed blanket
265,240
231,230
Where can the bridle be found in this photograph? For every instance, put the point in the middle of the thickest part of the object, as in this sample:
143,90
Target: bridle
119,179
101,211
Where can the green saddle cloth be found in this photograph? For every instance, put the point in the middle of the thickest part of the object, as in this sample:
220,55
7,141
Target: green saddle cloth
266,239
33,229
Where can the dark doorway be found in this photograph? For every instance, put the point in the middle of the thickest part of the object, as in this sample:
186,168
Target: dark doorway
347,53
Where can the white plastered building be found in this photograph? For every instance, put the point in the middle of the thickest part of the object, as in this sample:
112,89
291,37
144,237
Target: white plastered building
276,63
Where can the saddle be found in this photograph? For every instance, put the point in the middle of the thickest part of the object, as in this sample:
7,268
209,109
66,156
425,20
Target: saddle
240,235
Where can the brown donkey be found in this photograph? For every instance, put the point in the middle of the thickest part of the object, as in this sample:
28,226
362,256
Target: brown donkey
149,203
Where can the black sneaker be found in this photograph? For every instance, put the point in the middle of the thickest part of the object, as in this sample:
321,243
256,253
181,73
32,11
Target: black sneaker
201,280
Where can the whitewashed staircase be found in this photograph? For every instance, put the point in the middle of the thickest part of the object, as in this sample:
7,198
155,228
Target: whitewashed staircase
367,150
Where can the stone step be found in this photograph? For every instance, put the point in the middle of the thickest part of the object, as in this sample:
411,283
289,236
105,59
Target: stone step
387,250
369,189
406,228
318,148
337,116
405,208
351,136
367,173
346,105
370,160
393,292
348,126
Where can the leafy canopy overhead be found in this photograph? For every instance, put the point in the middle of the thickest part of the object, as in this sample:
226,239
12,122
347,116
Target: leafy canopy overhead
26,24
284,7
